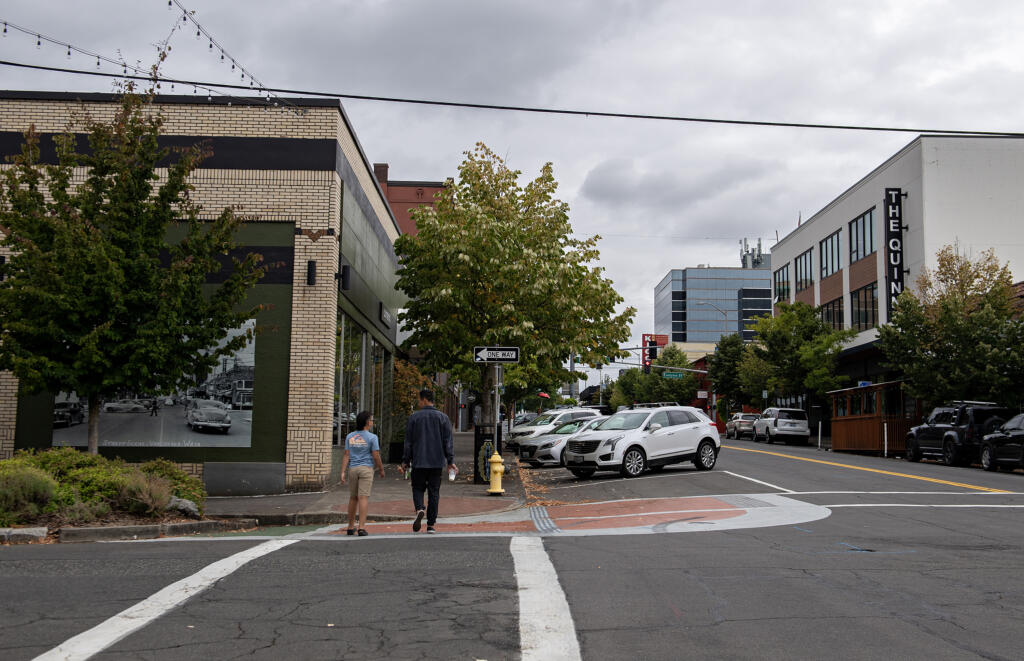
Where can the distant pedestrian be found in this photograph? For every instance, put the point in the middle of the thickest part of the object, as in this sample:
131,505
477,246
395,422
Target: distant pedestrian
154,406
362,454
428,450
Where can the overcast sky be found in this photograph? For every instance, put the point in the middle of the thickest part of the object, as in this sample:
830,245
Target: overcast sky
662,195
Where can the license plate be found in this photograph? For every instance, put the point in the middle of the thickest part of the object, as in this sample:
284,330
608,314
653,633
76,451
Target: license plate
577,460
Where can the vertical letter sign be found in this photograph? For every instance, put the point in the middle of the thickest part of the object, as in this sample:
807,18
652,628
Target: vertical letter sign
893,247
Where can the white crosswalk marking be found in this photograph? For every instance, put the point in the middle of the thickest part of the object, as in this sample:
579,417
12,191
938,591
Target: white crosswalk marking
546,629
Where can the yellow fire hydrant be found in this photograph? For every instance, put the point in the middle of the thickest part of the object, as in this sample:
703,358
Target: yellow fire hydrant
497,470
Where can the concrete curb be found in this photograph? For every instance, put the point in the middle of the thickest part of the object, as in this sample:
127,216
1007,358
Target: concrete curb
334,518
119,533
22,535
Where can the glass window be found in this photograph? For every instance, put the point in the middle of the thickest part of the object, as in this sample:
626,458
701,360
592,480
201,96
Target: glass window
862,236
680,417
349,371
864,307
781,280
855,401
869,402
792,415
828,255
804,273
660,418
832,313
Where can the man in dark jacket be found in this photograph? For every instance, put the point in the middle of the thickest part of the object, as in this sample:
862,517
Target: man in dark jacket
428,450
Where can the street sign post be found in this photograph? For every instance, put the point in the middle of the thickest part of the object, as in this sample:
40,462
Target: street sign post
672,375
495,354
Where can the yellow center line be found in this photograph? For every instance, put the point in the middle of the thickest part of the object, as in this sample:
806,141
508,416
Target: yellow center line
871,470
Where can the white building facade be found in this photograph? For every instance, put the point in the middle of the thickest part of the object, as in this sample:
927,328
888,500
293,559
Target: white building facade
851,257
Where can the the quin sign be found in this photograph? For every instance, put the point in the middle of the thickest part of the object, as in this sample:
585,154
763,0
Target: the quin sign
893,246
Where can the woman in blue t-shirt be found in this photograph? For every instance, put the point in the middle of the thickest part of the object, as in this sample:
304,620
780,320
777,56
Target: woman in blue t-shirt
362,454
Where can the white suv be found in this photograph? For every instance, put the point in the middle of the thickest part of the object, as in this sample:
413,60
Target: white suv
546,423
782,424
631,441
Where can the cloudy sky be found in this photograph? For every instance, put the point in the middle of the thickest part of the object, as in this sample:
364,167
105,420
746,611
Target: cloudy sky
662,195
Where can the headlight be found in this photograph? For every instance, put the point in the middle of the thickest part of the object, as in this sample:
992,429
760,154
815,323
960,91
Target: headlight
546,446
227,418
613,440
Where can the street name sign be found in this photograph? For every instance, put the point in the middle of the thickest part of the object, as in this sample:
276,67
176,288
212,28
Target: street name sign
495,354
672,375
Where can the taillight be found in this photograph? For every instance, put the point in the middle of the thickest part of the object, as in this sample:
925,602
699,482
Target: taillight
775,423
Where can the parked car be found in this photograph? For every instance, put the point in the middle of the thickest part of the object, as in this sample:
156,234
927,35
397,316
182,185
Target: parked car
548,449
207,414
66,414
634,440
127,406
1004,448
953,433
545,423
782,424
523,418
740,424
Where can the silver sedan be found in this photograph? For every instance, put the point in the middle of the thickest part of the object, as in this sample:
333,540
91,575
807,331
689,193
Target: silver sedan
546,450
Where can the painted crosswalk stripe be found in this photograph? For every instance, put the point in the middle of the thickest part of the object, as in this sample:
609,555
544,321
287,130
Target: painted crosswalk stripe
110,631
546,629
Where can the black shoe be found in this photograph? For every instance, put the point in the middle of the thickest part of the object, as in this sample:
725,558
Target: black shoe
419,520
363,533
350,531
430,530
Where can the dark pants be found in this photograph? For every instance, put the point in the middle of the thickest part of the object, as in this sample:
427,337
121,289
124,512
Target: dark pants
429,480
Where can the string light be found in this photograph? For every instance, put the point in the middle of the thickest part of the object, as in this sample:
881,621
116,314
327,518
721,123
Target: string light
5,28
39,42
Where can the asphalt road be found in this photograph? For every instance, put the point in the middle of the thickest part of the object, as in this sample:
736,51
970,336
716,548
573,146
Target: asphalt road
915,561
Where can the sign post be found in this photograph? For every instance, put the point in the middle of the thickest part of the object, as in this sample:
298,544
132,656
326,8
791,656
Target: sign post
487,444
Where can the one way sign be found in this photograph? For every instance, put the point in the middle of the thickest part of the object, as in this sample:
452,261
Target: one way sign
496,354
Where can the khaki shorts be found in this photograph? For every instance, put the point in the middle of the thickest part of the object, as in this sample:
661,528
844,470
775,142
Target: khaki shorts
360,481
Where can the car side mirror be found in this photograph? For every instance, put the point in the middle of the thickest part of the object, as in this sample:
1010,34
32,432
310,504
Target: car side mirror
655,426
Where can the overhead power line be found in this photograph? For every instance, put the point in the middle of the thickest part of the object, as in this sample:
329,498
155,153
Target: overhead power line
529,109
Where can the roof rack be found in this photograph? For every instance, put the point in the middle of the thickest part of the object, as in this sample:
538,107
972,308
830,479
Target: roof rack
960,402
653,405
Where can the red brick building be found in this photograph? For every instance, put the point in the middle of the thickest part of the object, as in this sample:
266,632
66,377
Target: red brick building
404,196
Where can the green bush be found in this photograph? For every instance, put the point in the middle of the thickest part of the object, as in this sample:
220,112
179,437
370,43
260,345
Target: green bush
183,485
24,491
59,462
99,483
79,512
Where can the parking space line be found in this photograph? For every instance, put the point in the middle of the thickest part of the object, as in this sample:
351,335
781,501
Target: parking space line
947,505
767,484
116,628
595,483
871,470
546,629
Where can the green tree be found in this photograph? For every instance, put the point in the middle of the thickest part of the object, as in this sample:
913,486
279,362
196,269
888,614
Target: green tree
635,386
755,378
959,338
93,298
801,350
494,263
724,372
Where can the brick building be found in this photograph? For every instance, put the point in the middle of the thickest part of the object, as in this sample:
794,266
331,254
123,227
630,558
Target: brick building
315,209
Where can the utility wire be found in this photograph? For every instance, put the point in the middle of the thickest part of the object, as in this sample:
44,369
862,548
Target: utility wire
532,109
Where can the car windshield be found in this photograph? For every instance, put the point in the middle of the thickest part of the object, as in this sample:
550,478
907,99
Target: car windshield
568,427
982,415
623,421
208,403
540,420
792,415
751,417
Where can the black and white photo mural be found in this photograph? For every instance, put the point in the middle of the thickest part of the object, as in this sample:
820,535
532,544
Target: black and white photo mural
213,410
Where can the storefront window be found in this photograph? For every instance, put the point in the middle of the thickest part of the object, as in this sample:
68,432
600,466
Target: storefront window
349,382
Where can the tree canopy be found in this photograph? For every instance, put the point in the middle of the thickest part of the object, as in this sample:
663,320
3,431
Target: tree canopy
94,299
724,371
635,386
495,263
958,339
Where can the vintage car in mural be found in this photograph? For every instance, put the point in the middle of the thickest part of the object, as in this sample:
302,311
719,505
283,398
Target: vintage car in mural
208,414
127,406
66,414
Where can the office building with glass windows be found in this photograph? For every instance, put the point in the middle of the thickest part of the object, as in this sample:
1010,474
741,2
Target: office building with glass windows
852,258
697,306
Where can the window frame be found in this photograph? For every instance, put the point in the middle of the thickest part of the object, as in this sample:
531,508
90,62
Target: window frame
862,236
804,270
830,258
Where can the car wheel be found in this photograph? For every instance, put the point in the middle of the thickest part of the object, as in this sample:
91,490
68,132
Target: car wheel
582,473
988,458
755,437
728,433
949,453
768,436
913,451
633,462
706,456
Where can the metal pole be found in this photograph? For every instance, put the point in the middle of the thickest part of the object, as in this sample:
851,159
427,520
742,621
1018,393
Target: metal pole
819,434
885,437
497,403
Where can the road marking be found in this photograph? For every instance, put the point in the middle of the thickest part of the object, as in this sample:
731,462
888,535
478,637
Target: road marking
912,493
973,505
109,632
595,483
767,484
546,629
871,470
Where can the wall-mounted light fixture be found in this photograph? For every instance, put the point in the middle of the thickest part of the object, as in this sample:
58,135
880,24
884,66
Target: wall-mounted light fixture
311,272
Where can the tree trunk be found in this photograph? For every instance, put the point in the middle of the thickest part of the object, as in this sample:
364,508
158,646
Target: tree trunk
94,423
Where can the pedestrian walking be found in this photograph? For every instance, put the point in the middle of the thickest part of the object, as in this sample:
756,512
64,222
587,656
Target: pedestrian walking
154,406
362,455
428,450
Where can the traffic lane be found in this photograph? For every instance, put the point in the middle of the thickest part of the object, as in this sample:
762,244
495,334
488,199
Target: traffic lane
356,598
802,468
677,480
859,584
55,591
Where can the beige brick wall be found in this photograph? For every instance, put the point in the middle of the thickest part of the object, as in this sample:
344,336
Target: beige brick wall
8,413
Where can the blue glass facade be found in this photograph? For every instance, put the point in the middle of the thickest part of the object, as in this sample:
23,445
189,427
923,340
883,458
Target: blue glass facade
704,303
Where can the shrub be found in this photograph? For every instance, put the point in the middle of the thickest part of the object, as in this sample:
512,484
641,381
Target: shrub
24,491
145,494
59,462
99,483
183,485
79,512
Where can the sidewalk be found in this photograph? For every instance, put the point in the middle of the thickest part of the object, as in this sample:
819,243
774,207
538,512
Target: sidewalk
391,499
